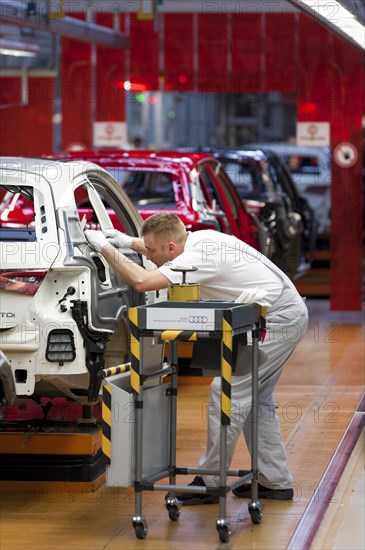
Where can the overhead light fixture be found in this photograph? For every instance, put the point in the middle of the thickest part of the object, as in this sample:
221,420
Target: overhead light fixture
18,48
334,15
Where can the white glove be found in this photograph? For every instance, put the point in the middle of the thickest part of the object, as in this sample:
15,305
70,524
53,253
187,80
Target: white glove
252,296
96,239
118,239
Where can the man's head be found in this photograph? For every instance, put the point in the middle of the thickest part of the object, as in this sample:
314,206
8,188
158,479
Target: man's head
164,237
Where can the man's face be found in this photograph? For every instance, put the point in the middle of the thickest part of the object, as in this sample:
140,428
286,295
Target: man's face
159,251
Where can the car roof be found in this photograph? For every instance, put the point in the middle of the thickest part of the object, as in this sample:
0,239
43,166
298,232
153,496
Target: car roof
137,162
195,157
237,154
126,159
291,148
188,157
47,168
29,163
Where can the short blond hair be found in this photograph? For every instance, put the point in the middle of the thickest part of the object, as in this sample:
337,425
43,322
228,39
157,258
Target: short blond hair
164,226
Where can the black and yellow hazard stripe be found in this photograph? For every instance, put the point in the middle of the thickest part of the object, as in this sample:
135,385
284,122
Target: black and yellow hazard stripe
185,335
112,371
263,315
135,350
106,436
227,357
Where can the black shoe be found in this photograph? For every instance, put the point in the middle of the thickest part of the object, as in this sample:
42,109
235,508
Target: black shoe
244,491
190,499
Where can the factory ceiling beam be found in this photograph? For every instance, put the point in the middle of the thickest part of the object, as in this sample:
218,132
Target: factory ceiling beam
15,14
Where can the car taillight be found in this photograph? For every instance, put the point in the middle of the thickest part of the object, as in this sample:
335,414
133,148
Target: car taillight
20,281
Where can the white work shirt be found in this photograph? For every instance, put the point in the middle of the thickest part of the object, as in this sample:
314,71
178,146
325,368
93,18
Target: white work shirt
226,267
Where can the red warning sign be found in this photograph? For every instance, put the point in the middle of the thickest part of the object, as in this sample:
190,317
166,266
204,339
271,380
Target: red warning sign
345,154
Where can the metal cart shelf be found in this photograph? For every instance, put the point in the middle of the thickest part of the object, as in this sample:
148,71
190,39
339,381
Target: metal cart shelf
188,321
174,322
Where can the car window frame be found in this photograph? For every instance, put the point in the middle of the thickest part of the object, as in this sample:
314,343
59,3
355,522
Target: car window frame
45,225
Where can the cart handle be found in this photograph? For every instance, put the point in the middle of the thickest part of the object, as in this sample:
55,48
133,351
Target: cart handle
112,371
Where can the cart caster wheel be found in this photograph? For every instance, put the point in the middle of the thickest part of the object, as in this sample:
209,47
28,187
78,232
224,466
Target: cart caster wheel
224,534
140,531
140,527
256,515
174,512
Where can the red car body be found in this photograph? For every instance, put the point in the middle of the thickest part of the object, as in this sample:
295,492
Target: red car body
164,185
219,206
220,189
155,185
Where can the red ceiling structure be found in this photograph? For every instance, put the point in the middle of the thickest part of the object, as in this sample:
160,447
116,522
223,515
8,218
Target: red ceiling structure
210,52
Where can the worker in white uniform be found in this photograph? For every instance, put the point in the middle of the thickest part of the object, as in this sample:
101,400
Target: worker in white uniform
228,269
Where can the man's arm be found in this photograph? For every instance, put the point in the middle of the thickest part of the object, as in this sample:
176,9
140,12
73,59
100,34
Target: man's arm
132,273
122,240
138,246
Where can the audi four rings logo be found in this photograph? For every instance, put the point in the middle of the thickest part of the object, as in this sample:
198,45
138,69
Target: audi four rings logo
198,319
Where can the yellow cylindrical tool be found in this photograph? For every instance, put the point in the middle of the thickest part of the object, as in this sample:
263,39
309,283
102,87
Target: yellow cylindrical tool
184,292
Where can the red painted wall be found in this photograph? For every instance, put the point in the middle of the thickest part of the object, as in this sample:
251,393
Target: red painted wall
178,52
26,130
315,88
110,73
144,53
212,53
280,70
329,89
246,53
347,183
77,93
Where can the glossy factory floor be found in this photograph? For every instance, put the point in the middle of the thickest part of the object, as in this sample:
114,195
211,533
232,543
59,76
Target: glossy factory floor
320,407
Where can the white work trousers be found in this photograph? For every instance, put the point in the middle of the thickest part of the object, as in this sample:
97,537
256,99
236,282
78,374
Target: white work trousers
284,332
